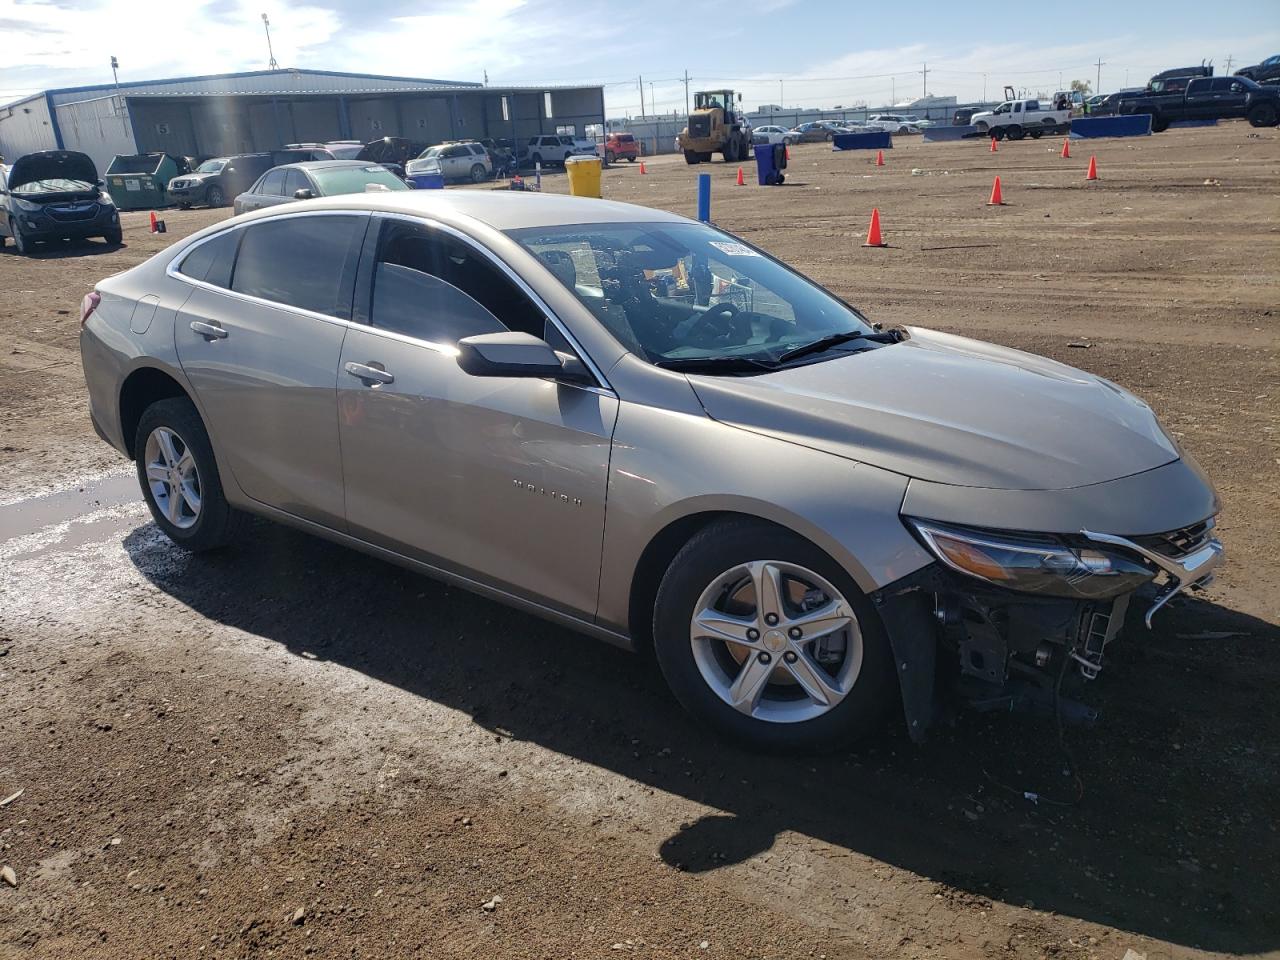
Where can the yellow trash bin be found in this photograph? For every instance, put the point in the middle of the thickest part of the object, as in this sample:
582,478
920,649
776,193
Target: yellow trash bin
584,176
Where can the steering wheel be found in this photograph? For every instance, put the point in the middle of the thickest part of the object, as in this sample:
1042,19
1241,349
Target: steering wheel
715,324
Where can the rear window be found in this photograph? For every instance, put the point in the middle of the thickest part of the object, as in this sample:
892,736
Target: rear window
626,138
298,261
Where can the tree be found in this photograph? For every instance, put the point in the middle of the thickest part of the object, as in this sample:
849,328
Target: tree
1082,87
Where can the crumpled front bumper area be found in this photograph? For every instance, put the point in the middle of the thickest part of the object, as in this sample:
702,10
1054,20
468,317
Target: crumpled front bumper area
960,643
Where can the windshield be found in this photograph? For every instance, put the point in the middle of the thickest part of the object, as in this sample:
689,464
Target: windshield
211,166
337,180
685,291
52,186
345,151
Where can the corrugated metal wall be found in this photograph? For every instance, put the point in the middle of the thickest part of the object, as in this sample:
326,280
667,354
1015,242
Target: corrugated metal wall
25,127
101,128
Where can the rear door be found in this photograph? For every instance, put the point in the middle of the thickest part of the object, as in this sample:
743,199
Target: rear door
498,479
260,343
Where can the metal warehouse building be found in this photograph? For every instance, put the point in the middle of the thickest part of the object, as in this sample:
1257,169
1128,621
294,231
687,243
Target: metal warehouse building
261,110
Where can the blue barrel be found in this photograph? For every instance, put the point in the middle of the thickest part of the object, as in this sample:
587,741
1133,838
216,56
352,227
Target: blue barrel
771,160
428,181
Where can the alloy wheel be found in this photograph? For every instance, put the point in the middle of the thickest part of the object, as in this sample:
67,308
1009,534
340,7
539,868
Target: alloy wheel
173,478
776,641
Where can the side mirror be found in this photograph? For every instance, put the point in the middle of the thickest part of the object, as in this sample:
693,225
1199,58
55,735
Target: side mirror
303,194
99,183
508,355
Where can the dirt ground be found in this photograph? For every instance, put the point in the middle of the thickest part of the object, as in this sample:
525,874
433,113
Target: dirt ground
291,750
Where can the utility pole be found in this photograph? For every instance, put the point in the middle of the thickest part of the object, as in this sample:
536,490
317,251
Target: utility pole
686,93
893,96
1097,88
1230,60
984,88
271,62
642,96
653,101
781,103
924,80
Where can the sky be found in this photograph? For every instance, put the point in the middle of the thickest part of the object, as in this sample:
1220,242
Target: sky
811,53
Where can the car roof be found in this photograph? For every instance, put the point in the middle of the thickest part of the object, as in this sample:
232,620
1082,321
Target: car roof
328,164
499,209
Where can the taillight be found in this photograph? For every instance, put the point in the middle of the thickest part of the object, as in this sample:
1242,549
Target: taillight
88,305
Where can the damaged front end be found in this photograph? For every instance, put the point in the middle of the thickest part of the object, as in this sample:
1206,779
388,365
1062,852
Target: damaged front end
1002,618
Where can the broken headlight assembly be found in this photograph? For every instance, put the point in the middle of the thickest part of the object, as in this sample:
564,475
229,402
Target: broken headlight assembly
1032,563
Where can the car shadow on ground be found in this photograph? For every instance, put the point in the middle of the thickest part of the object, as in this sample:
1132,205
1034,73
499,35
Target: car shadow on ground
1175,837
62,249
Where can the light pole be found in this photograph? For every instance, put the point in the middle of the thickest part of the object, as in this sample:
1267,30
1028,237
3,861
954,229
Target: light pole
271,61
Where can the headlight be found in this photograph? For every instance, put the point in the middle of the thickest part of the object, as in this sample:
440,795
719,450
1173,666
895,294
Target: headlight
26,205
1032,563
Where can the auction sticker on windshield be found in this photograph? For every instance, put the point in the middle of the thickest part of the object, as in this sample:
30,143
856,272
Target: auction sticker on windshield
734,249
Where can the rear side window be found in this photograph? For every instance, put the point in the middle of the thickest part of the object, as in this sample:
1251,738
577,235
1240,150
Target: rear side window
212,260
298,261
272,184
429,285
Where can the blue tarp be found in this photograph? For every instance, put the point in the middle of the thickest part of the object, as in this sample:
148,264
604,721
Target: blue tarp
938,134
1134,125
862,141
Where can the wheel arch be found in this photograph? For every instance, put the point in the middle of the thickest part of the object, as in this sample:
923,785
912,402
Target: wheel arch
140,389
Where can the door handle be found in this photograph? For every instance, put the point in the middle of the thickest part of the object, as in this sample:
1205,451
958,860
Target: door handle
210,331
368,373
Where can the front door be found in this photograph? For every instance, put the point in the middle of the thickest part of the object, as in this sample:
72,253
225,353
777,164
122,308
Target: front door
498,479
260,344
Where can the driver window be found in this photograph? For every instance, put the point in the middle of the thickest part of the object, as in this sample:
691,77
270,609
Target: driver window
431,286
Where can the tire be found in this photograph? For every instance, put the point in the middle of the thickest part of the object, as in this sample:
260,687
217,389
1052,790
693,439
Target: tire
997,133
1159,124
692,156
114,237
214,197
1035,134
631,159
1015,132
536,158
1263,115
705,157
20,244
782,716
184,206
903,130
782,178
212,523
610,156
478,173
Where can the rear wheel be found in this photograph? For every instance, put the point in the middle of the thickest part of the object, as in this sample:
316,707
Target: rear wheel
609,156
631,159
1263,115
764,637
692,156
478,173
215,197
1036,134
179,476
1015,132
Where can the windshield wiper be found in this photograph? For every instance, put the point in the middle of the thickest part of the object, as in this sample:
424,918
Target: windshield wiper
717,364
835,339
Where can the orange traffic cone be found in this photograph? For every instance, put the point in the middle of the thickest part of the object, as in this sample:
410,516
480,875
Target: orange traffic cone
879,158
996,199
153,221
1093,169
642,169
742,181
873,232
993,144
1066,148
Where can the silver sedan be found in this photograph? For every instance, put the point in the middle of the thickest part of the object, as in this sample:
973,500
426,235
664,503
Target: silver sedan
653,432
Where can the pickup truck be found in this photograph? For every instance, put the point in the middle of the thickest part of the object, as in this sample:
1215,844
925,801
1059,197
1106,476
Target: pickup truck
1016,119
1206,98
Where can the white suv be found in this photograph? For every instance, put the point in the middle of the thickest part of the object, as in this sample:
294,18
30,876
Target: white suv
548,149
455,161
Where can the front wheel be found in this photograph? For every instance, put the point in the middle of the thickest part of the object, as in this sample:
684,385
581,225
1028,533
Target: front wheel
692,156
114,237
1158,123
215,197
631,159
764,637
21,245
1263,115
179,477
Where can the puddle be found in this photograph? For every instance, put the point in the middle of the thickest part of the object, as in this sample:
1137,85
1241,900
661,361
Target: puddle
25,517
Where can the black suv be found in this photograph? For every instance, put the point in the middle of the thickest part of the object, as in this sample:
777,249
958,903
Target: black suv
218,181
55,195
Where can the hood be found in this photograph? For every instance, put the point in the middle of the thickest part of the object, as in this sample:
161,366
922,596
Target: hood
951,410
52,165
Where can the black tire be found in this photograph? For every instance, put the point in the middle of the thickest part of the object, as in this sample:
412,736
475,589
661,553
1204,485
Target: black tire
631,159
704,558
782,178
1015,132
214,197
21,246
1159,124
184,206
1035,134
217,523
610,157
114,237
691,157
1263,115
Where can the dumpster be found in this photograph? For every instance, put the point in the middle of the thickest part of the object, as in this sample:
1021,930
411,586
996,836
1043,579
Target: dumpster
584,176
427,181
141,182
771,160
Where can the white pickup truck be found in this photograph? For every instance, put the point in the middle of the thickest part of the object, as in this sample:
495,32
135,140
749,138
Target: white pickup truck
1016,119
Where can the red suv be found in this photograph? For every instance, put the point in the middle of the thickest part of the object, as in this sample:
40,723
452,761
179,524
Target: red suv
618,146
